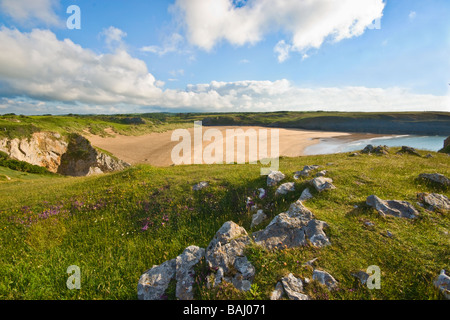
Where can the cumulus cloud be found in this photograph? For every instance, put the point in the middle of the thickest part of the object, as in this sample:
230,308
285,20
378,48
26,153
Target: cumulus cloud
36,12
43,74
309,23
114,37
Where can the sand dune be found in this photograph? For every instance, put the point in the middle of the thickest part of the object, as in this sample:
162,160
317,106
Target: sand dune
156,148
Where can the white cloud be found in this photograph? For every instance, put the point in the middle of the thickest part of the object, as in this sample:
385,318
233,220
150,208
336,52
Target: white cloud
42,74
282,49
309,23
35,12
172,43
412,15
114,37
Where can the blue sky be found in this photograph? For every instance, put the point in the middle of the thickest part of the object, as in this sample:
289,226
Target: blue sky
224,55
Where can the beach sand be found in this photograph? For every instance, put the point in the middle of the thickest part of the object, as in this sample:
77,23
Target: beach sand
156,148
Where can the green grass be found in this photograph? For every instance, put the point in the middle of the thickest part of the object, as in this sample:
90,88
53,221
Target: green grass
48,223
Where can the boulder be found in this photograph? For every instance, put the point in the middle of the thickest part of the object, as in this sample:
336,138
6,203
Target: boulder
369,149
274,177
294,288
285,188
325,278
200,186
307,170
278,293
185,271
153,283
362,276
292,229
306,195
435,177
321,173
258,218
442,282
322,184
262,193
409,150
402,209
435,201
225,253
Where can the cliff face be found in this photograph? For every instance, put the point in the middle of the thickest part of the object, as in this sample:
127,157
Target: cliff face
73,156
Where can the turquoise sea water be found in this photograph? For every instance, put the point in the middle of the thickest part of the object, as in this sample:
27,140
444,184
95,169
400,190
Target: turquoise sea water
338,145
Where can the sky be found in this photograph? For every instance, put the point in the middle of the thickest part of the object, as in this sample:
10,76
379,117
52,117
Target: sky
140,56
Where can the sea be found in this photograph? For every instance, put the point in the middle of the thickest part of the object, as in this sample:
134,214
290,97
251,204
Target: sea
342,145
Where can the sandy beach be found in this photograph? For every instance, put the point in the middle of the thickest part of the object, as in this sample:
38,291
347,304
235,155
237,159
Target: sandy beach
155,148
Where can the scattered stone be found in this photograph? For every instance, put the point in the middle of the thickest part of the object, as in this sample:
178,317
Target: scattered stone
322,184
225,253
321,173
200,186
429,155
306,195
262,193
409,150
362,276
294,288
307,170
435,201
285,188
436,177
369,223
185,271
369,149
258,218
278,293
298,210
443,284
274,177
389,234
326,279
310,262
154,282
402,209
354,154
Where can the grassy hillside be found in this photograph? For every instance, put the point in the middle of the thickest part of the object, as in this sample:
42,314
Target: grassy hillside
116,226
436,123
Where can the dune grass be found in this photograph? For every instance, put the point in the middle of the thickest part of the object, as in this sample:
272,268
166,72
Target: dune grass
116,226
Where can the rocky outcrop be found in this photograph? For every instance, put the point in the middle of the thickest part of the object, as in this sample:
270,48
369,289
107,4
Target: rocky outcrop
370,149
225,254
434,201
396,208
436,178
43,149
322,184
325,278
153,283
185,271
292,229
82,159
306,171
258,218
274,177
443,284
408,150
294,288
306,195
285,188
201,185
73,155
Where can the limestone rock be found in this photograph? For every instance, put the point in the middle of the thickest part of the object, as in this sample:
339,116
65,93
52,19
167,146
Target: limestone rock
154,282
436,177
274,177
435,201
306,195
322,184
325,278
321,173
278,293
307,170
401,209
382,150
292,229
443,284
294,288
225,253
201,185
185,271
285,188
409,150
257,218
